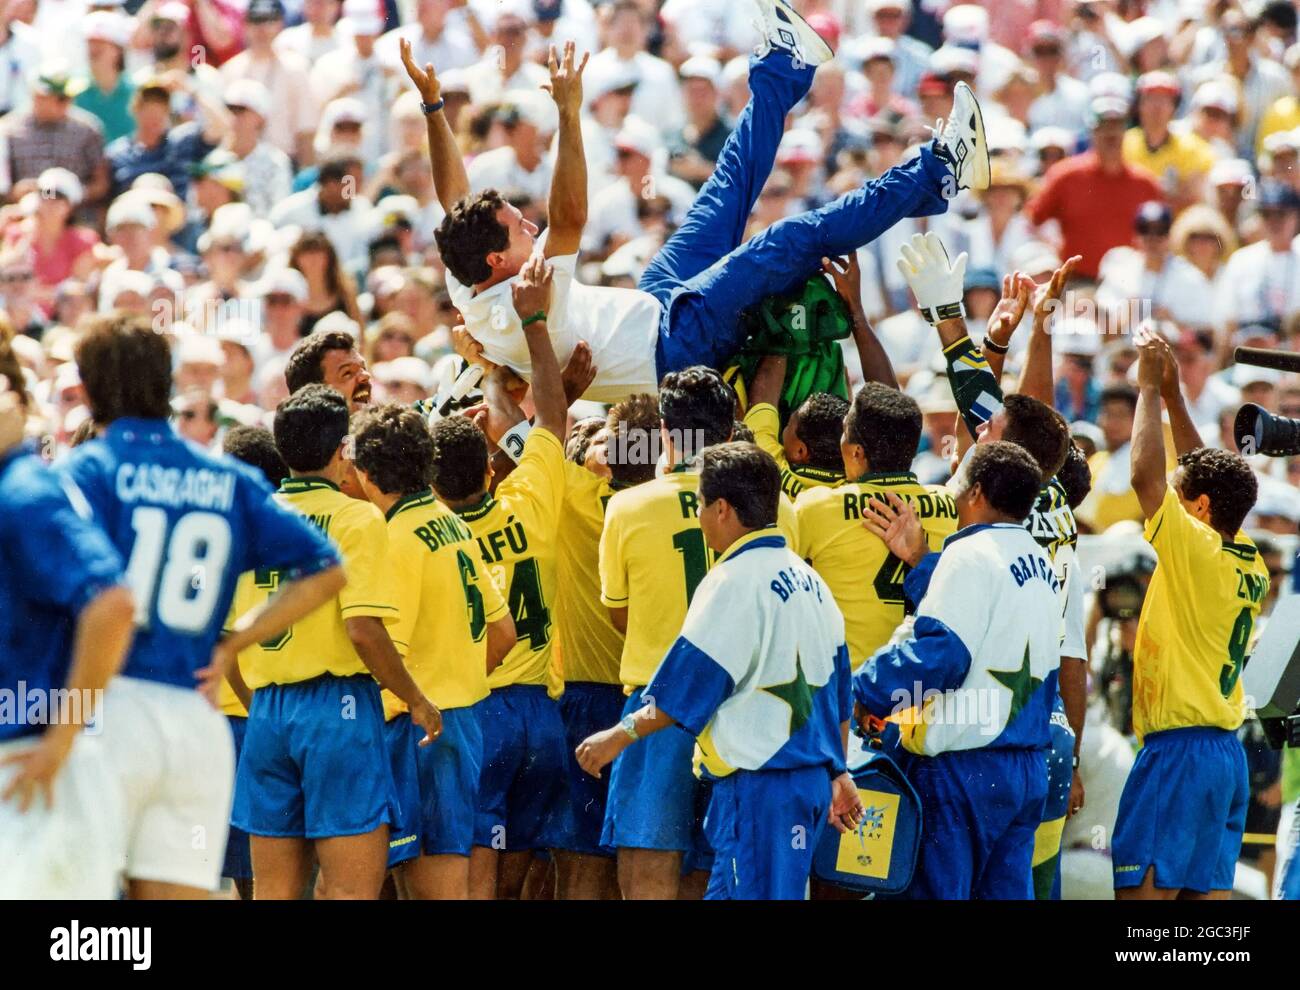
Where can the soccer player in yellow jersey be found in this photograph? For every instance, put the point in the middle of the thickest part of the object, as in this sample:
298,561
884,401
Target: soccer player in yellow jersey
1183,811
652,557
881,435
591,648
314,770
255,446
452,630
523,789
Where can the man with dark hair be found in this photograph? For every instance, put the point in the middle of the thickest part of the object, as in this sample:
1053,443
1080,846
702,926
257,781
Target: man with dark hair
309,781
755,631
654,816
65,627
522,804
335,206
975,678
1178,834
431,565
330,357
255,446
686,310
218,517
1112,498
879,439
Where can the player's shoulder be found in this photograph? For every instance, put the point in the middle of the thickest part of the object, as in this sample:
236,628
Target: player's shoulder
658,489
25,482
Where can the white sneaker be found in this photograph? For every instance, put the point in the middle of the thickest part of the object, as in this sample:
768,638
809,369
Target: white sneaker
961,142
784,28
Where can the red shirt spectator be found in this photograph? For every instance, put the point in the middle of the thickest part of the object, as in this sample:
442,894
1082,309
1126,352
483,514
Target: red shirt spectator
1095,196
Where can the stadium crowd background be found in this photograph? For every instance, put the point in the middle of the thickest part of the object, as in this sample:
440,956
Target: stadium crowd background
245,176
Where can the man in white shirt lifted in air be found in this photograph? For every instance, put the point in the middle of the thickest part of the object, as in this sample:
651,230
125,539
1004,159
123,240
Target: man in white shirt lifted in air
687,307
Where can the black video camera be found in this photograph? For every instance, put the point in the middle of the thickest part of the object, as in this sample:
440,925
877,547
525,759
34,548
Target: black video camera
1258,431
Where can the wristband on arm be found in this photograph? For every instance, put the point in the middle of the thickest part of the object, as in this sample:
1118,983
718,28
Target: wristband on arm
512,441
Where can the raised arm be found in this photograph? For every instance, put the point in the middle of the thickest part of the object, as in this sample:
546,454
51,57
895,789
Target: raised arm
531,294
846,273
567,207
1147,454
1186,436
1036,379
450,180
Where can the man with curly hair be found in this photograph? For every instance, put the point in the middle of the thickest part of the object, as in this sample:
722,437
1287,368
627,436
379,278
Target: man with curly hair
433,563
1183,811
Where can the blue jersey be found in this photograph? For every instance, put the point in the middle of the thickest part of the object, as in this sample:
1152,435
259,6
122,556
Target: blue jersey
53,561
188,524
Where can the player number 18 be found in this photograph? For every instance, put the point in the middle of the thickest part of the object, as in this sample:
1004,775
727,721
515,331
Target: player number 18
177,574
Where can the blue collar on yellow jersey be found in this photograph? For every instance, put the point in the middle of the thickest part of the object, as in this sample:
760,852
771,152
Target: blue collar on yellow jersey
422,497
306,483
768,536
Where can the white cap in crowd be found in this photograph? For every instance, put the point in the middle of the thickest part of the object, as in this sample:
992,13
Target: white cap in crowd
249,94
284,282
60,182
639,137
701,67
361,17
108,25
130,208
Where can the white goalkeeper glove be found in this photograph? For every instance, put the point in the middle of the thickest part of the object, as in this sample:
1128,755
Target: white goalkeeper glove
937,283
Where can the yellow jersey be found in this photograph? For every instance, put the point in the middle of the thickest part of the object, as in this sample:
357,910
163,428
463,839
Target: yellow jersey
319,644
1196,624
652,558
433,569
517,531
765,421
589,647
245,598
1182,156
865,578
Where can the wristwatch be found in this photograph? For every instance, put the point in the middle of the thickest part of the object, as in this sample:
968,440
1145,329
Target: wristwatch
628,725
429,108
1075,761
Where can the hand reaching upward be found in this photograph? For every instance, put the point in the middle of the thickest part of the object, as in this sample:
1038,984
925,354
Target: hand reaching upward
426,80
565,86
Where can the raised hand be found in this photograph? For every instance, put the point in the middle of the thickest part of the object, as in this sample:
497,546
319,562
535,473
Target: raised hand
565,86
1151,350
846,274
1010,310
426,80
531,291
937,282
1049,293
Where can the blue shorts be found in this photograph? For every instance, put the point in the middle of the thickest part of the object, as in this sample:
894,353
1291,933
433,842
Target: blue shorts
314,763
523,798
1183,811
239,861
655,799
1289,861
1047,840
980,809
764,827
587,707
437,785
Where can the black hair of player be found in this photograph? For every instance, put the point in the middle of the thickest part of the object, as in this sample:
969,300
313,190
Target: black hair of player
1119,392
698,407
469,233
632,452
1008,477
306,364
740,433
886,424
819,424
1038,428
1228,481
392,445
579,440
460,459
747,477
309,427
255,446
126,369
1075,476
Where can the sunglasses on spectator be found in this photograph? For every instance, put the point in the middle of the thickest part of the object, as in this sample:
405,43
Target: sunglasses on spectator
1047,51
1153,230
279,299
11,277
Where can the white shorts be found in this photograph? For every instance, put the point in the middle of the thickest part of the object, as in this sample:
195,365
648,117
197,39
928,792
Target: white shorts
175,759
72,849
